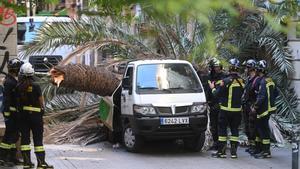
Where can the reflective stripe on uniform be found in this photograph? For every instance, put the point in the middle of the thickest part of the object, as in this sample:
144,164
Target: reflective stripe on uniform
234,138
270,109
5,146
266,141
230,108
12,109
222,138
29,108
39,149
25,147
13,146
257,139
6,113
218,82
29,89
230,94
262,114
229,105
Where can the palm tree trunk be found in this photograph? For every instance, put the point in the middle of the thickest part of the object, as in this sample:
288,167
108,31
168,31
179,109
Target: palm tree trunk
85,78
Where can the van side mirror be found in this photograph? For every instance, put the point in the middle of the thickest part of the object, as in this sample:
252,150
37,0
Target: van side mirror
126,84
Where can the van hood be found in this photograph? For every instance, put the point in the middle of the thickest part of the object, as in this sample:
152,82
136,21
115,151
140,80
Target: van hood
165,100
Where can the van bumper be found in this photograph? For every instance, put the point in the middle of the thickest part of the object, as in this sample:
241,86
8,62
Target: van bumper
150,127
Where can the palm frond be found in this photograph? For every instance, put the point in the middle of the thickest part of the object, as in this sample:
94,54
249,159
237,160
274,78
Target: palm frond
68,101
256,39
274,45
287,104
93,32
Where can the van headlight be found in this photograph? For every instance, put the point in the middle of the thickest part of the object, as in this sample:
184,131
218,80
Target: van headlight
144,109
198,108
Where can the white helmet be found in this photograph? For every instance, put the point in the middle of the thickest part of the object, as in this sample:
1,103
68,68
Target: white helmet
26,69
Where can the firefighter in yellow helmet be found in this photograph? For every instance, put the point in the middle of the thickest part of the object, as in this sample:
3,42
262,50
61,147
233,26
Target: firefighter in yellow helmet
215,76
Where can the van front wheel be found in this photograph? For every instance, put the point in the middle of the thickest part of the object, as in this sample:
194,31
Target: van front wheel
195,144
132,142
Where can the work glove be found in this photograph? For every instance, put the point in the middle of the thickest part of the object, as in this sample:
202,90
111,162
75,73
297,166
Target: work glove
211,85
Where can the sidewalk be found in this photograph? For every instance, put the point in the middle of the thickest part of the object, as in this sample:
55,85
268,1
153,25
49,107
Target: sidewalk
158,156
70,157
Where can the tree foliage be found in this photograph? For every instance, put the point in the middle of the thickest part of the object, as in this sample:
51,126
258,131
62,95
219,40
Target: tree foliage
192,30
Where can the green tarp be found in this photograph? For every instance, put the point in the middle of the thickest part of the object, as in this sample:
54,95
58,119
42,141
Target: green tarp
106,111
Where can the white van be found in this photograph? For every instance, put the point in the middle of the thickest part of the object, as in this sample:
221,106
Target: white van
160,99
27,27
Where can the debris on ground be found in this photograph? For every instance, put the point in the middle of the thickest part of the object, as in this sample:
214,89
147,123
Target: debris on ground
73,124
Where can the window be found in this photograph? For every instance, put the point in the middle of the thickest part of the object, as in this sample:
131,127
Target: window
129,72
167,78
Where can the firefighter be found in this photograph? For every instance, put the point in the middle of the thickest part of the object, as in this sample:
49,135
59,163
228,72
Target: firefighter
8,149
31,105
248,99
264,106
215,76
229,92
203,75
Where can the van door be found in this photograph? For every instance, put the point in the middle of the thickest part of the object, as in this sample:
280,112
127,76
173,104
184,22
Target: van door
126,94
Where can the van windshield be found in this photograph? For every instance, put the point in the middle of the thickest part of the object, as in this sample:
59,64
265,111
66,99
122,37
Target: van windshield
167,78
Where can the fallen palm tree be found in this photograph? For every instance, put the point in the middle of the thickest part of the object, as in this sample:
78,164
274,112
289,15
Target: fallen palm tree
69,119
97,80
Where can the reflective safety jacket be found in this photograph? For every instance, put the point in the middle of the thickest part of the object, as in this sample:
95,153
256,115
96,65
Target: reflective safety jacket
230,93
29,99
266,95
9,95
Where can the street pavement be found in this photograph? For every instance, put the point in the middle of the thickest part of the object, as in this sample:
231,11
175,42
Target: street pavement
157,155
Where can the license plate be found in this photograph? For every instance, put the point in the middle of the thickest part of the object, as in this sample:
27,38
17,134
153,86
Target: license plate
174,120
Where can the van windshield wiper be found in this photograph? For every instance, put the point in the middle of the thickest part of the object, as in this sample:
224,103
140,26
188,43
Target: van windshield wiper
155,88
167,90
197,89
175,88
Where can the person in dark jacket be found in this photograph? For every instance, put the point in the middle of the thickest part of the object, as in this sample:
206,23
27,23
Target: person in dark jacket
215,76
31,106
8,149
248,99
264,106
230,93
203,75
